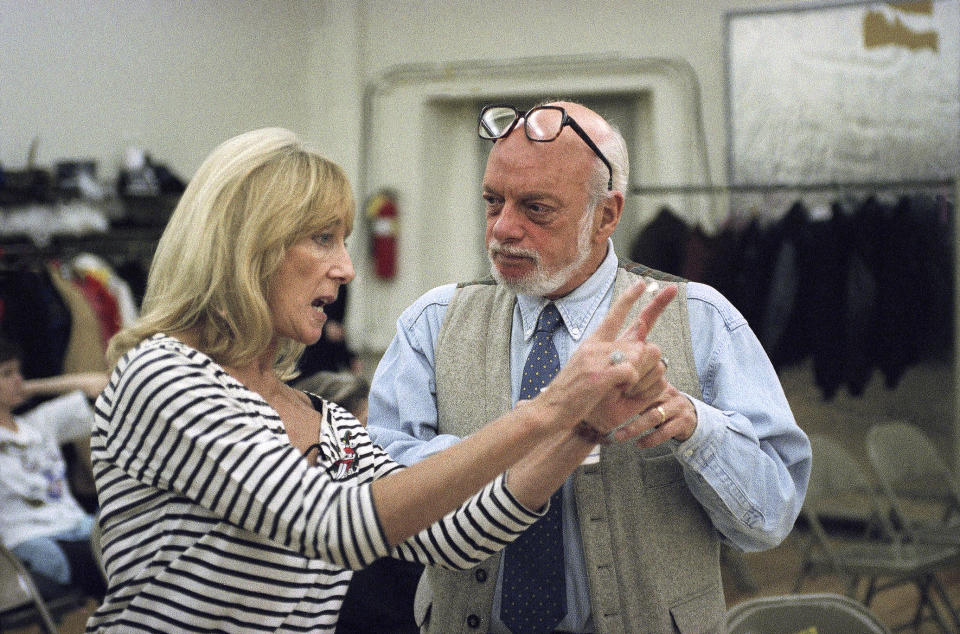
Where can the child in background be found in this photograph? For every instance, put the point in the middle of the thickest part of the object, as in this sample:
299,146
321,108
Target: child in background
42,523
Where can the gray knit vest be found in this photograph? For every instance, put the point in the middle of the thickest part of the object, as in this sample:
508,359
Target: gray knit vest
652,554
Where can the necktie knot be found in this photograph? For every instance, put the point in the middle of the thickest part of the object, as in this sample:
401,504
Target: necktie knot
549,319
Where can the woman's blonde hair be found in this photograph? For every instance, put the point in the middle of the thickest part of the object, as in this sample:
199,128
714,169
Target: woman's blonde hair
252,198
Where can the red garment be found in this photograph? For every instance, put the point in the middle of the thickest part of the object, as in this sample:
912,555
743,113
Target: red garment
104,304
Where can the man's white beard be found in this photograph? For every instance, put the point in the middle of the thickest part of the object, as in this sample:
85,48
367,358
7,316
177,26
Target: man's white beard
542,282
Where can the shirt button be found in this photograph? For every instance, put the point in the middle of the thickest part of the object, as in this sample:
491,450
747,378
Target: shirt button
688,453
473,621
481,575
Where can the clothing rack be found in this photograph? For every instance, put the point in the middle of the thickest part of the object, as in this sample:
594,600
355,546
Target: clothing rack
116,245
711,206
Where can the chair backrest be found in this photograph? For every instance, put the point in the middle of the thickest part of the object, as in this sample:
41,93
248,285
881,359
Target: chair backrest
840,491
909,467
834,472
19,596
821,613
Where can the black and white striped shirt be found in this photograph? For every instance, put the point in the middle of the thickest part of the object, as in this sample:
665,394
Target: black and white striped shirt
213,521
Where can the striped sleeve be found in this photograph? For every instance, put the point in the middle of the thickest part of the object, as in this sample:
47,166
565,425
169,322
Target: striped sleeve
173,424
483,525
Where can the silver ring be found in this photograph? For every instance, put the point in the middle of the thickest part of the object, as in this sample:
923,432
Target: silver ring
666,365
617,357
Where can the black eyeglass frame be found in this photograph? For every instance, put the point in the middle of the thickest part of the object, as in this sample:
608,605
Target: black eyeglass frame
567,120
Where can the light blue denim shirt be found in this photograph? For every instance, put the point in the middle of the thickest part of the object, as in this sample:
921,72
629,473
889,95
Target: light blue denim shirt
747,463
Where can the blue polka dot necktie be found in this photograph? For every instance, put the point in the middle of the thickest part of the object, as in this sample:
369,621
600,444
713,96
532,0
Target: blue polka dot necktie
534,592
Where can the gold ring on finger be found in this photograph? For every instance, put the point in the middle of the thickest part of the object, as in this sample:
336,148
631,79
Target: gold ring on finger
663,414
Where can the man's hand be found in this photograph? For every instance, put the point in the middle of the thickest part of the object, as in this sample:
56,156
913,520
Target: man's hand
606,366
639,395
670,415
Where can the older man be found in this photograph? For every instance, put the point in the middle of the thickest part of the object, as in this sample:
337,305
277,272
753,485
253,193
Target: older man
716,455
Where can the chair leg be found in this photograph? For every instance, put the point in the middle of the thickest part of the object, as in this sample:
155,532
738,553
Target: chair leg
935,615
852,589
922,602
945,598
27,583
871,591
923,586
804,571
49,625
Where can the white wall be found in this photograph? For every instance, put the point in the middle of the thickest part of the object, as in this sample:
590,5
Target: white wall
87,78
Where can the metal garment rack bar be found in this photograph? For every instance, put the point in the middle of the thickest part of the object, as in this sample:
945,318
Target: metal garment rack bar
760,188
119,243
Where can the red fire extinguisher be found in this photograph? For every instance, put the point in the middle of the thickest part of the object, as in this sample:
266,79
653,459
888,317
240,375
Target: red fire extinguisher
382,214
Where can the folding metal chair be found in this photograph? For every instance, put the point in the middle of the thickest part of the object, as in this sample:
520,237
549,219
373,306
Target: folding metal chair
916,481
876,550
824,613
20,601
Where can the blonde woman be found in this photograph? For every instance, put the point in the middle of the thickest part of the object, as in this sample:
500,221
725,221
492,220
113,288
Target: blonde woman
233,502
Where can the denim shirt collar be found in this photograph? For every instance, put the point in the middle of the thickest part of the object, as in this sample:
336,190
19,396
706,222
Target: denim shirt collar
576,307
